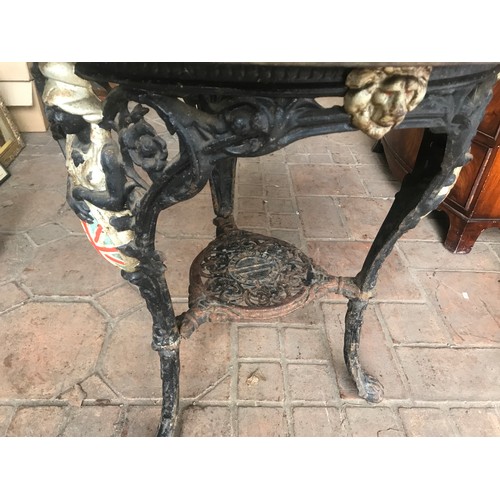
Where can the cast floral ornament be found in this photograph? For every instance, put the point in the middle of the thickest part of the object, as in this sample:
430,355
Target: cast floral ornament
378,99
143,144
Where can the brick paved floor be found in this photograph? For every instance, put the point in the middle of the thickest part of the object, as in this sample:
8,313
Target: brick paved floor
75,357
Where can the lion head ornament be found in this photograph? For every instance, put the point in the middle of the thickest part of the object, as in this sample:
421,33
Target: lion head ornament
379,98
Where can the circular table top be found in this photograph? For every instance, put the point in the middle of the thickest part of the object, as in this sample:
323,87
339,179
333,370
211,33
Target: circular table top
312,78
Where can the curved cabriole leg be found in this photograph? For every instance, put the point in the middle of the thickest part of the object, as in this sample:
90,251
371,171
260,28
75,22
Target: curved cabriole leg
150,279
369,387
152,285
403,215
421,192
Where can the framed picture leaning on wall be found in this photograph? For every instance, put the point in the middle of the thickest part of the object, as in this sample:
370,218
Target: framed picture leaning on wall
11,142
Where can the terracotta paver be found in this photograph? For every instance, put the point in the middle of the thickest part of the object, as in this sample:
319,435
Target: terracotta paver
308,315
428,255
141,421
280,205
301,343
11,295
281,190
250,190
47,172
345,258
284,221
249,174
38,421
192,218
120,300
47,233
129,364
258,342
318,422
363,216
219,392
262,422
85,272
373,422
93,421
16,252
254,204
414,323
321,217
496,249
179,254
6,414
476,422
247,220
332,180
427,422
468,303
289,235
452,374
94,389
260,382
66,218
24,209
206,421
312,382
205,359
47,347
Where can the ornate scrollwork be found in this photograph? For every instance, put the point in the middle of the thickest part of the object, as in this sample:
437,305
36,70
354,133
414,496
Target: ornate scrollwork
378,99
254,126
244,269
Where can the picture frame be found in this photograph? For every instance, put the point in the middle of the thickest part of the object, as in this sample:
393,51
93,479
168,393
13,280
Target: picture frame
11,142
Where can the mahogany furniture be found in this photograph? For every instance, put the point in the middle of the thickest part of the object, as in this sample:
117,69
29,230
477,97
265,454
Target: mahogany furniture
121,177
473,204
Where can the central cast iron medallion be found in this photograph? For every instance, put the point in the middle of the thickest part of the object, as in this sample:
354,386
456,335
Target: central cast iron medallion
253,271
250,276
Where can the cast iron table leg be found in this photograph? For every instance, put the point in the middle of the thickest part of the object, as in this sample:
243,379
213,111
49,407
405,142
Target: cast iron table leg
421,192
154,290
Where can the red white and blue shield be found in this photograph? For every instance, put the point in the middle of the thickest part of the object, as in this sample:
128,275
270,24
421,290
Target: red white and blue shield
103,244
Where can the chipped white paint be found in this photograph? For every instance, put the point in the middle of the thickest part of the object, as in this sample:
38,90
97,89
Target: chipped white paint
90,175
70,92
378,99
445,190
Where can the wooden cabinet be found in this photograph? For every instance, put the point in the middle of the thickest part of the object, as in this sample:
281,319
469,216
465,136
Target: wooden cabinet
474,203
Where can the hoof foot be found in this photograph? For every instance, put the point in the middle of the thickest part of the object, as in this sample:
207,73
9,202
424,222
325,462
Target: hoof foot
369,388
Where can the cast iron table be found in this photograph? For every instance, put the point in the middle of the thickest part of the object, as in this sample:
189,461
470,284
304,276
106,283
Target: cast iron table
121,178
